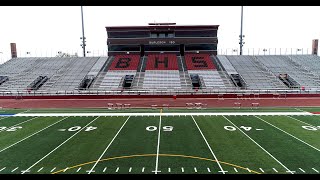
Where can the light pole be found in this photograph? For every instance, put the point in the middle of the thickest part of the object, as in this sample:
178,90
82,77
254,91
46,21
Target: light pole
298,50
83,45
241,36
264,50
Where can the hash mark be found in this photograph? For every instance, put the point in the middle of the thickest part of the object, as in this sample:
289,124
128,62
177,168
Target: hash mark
302,170
208,169
104,169
130,169
259,129
79,169
143,169
169,170
182,169
315,170
248,169
235,169
275,169
15,169
261,170
117,169
65,169
195,169
290,171
2,169
53,169
40,169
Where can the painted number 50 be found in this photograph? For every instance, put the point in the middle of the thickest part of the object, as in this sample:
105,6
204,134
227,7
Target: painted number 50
154,128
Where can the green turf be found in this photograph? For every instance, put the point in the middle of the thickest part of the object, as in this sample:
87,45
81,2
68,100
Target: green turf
292,153
124,145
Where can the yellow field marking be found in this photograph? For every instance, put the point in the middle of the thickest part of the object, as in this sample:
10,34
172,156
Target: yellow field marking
166,155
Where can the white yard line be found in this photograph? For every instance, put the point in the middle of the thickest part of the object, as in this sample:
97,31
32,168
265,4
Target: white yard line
33,134
288,134
62,143
301,121
168,114
158,147
95,164
20,123
208,146
257,144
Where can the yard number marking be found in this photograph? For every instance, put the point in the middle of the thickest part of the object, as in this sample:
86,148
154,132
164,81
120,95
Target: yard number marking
154,128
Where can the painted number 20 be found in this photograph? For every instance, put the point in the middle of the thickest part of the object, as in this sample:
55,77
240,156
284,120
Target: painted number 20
154,128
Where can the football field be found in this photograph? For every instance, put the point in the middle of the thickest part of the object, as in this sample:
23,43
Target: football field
160,142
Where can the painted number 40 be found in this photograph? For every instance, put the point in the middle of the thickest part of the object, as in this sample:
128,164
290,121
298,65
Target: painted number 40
154,128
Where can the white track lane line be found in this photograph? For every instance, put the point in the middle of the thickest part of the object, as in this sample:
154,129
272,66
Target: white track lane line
208,146
105,150
62,143
257,144
32,134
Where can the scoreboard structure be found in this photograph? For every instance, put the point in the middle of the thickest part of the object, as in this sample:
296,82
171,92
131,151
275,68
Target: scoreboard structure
162,38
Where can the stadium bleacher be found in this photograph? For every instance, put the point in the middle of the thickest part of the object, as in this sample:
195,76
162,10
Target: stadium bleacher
159,72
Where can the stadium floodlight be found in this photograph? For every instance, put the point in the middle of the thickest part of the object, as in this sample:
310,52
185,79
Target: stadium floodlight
298,50
241,36
264,50
83,45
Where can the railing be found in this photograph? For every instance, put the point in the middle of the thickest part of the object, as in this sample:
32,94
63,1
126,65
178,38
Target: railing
5,55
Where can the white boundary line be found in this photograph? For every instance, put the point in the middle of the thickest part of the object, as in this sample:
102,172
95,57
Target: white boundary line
33,134
62,144
95,164
167,114
223,172
289,134
257,144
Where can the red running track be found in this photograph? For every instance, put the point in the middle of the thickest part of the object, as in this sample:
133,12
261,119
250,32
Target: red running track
148,102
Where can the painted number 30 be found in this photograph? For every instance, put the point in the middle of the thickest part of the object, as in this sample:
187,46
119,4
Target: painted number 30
154,128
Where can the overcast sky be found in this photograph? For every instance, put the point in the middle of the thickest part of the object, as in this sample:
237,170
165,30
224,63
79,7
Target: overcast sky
46,29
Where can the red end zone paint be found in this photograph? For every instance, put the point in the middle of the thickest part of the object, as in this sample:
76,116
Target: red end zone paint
315,112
